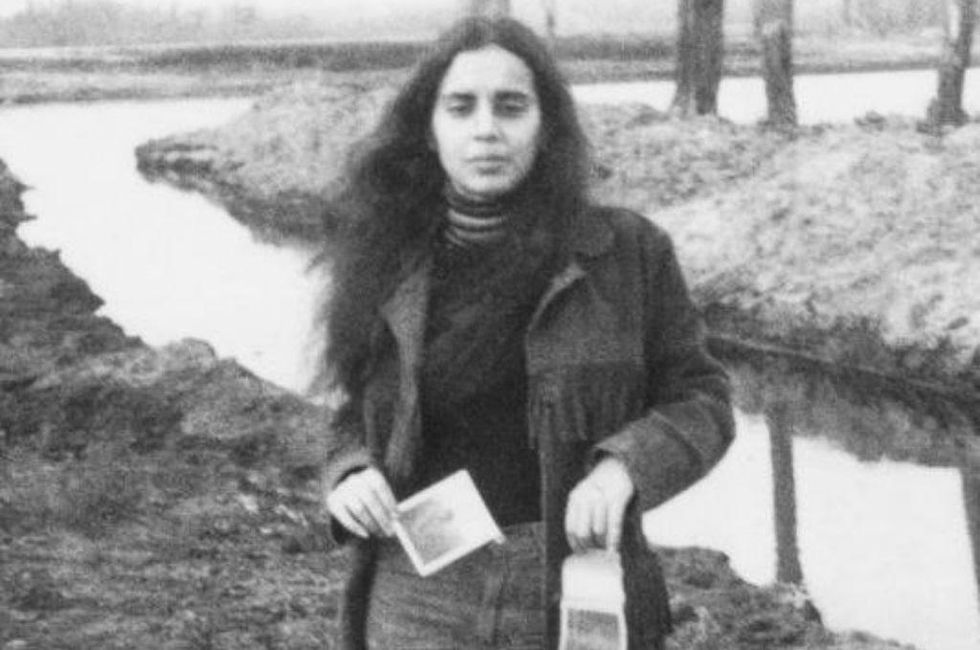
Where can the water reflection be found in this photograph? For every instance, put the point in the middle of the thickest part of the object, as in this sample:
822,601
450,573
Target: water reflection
904,544
779,420
971,502
875,503
169,264
820,97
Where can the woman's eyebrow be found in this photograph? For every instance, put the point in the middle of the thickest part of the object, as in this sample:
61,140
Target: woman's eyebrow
508,95
505,93
457,95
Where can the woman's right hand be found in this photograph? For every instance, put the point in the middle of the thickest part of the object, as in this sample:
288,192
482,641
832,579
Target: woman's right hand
364,504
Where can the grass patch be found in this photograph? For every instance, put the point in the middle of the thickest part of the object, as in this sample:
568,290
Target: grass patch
91,495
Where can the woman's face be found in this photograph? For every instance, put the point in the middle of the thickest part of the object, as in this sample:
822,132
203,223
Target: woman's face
486,122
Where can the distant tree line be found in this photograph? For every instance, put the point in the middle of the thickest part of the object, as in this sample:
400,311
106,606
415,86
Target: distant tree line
699,45
892,16
58,23
700,50
48,23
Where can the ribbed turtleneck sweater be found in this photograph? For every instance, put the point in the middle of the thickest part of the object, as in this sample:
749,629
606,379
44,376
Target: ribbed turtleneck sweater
472,223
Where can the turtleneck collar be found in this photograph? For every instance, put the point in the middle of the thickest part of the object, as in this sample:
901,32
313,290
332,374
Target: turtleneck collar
472,223
471,207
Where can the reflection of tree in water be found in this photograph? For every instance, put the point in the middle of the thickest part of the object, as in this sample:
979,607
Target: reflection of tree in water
971,501
780,423
870,415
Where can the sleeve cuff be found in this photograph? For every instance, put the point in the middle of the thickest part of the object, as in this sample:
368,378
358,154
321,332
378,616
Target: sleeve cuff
659,464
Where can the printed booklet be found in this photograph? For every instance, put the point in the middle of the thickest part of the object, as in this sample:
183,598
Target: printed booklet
592,602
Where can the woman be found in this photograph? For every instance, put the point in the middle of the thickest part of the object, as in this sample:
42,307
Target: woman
485,315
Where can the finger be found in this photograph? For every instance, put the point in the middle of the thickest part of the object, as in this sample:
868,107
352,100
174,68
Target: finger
341,509
574,526
582,505
335,505
376,512
381,501
383,491
570,517
598,521
351,524
370,525
614,528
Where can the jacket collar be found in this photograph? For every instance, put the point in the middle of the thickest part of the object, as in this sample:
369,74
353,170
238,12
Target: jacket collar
405,313
590,236
590,233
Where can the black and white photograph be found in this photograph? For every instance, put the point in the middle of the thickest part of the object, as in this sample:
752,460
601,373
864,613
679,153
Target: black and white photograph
691,284
444,522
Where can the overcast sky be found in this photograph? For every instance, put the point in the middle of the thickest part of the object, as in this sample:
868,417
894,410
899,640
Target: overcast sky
339,13
269,7
573,15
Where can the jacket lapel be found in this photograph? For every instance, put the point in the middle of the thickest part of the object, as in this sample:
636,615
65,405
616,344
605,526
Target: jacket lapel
589,236
405,314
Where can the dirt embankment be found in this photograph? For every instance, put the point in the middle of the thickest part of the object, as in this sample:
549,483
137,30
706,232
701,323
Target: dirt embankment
47,315
162,498
855,245
276,167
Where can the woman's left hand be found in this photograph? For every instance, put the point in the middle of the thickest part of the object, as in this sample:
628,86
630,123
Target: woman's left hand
597,505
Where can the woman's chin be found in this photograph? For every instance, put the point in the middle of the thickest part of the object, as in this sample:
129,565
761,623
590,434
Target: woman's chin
488,190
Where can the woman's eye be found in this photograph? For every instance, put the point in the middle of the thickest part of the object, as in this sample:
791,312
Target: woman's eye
459,108
511,108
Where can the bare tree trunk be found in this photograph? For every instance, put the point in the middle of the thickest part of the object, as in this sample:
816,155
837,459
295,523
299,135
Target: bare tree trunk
776,32
947,107
491,8
699,56
780,423
847,10
551,21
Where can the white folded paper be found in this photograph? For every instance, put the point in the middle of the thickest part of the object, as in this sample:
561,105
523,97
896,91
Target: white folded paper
444,522
592,602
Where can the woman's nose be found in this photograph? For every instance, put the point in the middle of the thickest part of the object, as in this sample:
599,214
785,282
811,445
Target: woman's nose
485,123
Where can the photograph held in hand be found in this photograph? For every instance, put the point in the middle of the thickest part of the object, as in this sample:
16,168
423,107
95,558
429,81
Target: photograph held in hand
444,522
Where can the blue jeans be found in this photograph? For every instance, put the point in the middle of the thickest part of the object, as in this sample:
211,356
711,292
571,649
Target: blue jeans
492,598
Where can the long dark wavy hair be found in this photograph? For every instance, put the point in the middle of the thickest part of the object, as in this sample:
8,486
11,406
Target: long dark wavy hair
391,208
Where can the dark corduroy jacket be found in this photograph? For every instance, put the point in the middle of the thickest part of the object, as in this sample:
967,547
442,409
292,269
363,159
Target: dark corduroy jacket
616,364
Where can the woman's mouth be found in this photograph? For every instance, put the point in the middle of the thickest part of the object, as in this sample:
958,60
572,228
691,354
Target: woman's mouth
488,163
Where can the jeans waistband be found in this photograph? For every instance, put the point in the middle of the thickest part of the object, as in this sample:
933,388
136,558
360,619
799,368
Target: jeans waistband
521,531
